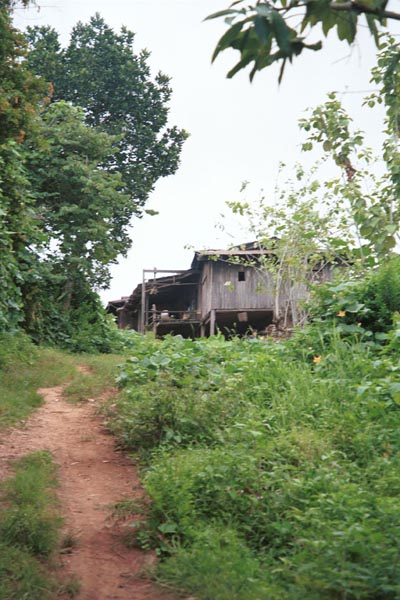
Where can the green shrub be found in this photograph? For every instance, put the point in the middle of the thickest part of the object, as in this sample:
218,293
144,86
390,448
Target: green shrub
315,521
217,566
15,347
182,392
381,295
81,325
359,308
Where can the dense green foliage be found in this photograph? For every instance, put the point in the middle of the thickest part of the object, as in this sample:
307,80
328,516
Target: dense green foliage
272,467
71,177
266,33
365,306
20,93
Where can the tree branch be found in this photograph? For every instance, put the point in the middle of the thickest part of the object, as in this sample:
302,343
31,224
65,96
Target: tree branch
362,8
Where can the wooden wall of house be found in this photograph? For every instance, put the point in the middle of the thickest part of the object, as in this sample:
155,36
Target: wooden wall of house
237,287
205,289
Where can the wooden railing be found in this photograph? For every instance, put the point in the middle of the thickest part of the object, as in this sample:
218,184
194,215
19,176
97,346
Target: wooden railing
156,317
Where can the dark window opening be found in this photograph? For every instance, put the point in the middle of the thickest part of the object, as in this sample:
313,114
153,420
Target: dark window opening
241,276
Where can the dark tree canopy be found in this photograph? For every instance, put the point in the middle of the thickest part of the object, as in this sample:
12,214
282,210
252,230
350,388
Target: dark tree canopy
100,72
275,31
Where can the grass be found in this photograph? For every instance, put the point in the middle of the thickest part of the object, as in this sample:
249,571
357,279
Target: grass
98,381
29,520
24,368
270,475
29,508
22,576
69,589
233,573
29,529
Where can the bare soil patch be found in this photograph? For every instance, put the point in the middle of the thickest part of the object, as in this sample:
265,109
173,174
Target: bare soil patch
93,476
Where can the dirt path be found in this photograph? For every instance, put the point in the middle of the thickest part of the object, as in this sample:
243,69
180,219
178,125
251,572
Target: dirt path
93,476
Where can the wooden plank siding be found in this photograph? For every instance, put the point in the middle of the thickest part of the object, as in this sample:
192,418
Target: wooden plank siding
228,292
205,290
217,293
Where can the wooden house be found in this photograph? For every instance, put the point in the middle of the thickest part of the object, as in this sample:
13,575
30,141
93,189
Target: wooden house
224,290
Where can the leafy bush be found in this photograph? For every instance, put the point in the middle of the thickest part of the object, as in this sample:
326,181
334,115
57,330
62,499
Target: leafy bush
15,347
83,326
360,308
382,296
182,392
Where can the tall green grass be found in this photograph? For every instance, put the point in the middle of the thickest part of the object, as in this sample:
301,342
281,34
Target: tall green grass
29,529
270,467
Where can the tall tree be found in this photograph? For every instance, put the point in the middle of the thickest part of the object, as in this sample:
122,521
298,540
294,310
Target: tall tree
20,95
82,211
100,72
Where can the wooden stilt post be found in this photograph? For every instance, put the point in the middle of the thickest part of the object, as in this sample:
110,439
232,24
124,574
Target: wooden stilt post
143,307
212,322
154,319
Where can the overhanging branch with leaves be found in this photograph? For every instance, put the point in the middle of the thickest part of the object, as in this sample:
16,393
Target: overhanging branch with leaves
262,34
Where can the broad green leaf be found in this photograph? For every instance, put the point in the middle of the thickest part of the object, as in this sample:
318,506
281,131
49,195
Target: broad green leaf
328,21
354,307
226,40
392,228
283,33
347,27
222,13
240,65
381,336
316,11
263,29
396,398
371,21
168,527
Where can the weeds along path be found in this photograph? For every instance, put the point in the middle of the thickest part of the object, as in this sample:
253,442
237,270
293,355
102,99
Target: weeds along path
93,476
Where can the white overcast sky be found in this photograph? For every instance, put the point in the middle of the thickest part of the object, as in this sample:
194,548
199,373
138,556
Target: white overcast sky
238,131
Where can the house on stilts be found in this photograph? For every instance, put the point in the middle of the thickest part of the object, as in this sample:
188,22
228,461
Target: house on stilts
224,290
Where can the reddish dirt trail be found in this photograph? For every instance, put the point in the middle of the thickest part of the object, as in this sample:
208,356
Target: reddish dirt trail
93,476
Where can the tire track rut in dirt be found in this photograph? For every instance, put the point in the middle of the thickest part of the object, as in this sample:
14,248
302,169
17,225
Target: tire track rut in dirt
93,476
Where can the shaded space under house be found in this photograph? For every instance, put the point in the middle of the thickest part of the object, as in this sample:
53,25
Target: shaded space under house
223,290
